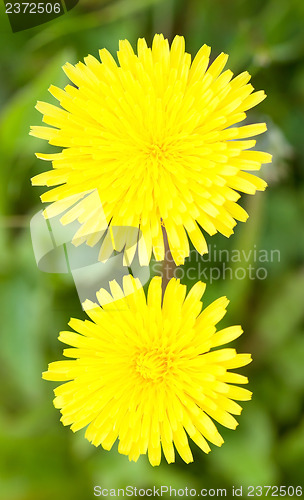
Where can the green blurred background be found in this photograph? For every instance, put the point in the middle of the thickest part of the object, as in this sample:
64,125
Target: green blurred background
39,458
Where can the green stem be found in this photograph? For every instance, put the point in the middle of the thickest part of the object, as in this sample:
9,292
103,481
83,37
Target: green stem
169,265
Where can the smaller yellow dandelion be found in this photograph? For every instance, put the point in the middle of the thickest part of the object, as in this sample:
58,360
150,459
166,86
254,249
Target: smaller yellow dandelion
145,372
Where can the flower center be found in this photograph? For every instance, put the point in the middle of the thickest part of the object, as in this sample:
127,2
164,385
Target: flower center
156,151
153,365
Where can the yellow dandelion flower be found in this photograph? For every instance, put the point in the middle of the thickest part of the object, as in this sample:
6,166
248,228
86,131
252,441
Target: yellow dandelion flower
154,136
146,372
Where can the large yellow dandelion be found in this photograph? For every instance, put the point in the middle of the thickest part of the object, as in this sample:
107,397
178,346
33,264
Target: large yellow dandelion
154,137
145,373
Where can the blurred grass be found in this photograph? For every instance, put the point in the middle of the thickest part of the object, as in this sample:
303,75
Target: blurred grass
41,460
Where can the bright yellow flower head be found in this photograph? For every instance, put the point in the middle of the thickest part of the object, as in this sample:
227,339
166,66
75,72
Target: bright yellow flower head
153,136
146,372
